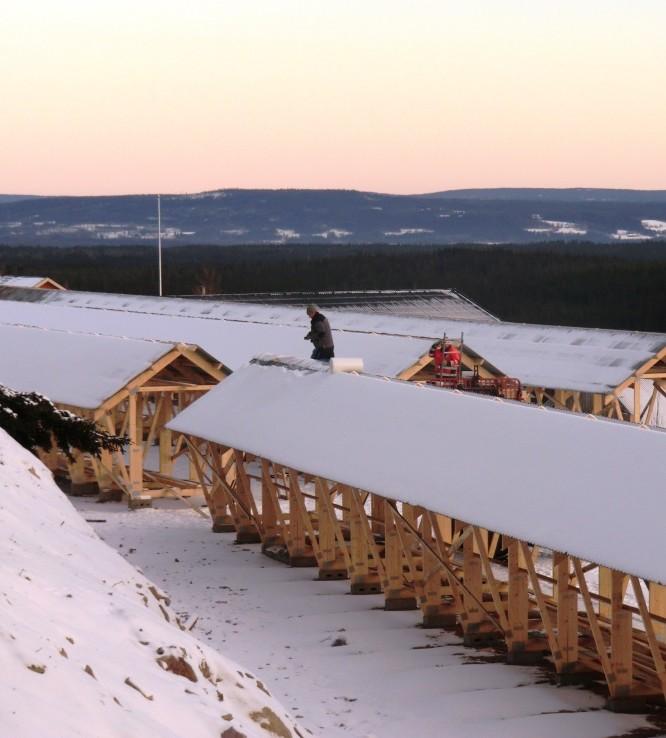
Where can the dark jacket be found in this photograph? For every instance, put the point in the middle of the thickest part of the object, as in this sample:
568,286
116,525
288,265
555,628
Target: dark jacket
320,332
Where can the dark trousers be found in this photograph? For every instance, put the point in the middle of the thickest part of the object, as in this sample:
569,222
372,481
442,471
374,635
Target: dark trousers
322,354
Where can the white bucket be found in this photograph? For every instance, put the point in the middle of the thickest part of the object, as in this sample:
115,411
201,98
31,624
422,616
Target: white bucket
345,365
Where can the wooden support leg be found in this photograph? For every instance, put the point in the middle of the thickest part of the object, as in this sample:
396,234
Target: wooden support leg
567,614
518,608
476,630
80,484
437,603
605,591
621,653
657,606
220,504
364,580
270,513
396,595
108,491
332,559
50,458
377,514
135,431
441,604
246,528
166,437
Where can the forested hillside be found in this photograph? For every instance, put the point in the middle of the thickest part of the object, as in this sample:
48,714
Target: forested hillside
614,287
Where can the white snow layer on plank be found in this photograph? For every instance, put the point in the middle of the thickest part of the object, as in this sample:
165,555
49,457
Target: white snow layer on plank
232,342
79,624
559,479
72,368
585,359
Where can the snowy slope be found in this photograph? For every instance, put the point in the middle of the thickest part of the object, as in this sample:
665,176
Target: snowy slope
89,648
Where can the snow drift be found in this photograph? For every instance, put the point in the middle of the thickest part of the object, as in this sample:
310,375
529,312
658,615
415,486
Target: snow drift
89,647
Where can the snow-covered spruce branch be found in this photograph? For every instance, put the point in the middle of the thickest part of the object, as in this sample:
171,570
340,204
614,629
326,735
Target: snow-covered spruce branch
36,423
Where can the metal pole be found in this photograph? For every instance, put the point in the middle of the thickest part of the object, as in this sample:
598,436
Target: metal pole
159,243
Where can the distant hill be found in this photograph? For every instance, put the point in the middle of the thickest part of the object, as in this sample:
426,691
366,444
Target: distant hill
570,194
233,216
15,198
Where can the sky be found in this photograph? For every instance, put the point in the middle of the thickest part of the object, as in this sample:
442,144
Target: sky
404,96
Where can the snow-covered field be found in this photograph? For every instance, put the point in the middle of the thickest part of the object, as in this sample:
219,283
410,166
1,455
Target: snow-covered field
387,679
89,648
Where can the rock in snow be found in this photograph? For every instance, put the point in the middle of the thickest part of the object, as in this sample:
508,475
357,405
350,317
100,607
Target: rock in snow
89,647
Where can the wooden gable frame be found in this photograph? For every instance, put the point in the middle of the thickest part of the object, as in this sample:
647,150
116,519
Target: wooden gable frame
140,409
606,404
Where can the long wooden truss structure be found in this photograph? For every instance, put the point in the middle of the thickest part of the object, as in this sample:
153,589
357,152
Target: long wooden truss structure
606,404
588,621
140,410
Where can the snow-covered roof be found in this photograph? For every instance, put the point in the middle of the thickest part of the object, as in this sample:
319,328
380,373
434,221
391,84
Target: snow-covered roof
72,368
557,478
10,280
584,359
89,643
14,281
433,303
233,342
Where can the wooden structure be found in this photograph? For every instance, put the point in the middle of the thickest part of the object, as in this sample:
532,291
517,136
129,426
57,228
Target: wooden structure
634,399
474,543
618,374
127,387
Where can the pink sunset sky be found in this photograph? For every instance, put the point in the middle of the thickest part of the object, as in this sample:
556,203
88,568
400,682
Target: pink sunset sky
404,96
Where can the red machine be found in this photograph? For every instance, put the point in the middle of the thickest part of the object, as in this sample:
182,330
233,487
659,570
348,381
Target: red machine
449,373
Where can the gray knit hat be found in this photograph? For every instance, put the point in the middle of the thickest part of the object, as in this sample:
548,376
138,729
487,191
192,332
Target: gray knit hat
312,308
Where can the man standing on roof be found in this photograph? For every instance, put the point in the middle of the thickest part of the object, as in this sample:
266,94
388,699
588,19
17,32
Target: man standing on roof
320,335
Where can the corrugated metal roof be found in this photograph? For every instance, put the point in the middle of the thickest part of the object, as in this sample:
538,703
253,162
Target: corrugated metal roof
403,303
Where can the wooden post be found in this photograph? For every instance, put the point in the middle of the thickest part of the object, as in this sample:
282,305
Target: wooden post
567,613
472,621
248,530
270,513
221,512
364,580
637,401
104,469
445,526
296,533
437,601
80,483
332,564
166,437
621,642
657,606
396,595
377,514
518,609
605,579
135,432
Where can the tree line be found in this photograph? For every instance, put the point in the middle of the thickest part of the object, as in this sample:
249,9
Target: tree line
616,286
